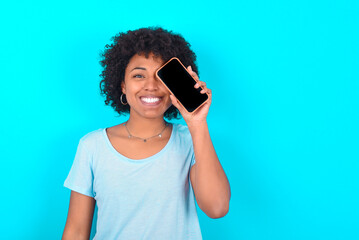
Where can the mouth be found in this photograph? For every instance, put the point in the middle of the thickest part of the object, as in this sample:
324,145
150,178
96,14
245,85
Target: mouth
151,100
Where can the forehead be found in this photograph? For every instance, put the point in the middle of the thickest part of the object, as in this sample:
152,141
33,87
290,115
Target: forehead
141,61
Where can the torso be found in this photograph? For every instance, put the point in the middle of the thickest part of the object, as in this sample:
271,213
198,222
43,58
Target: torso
134,148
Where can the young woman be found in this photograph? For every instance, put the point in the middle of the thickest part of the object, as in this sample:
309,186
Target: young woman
145,174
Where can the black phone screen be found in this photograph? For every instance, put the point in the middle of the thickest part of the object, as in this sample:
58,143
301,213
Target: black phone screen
181,84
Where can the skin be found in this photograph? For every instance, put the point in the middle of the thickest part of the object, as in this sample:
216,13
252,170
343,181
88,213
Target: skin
209,182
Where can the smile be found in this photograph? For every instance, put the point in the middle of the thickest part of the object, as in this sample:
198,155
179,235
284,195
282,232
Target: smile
150,100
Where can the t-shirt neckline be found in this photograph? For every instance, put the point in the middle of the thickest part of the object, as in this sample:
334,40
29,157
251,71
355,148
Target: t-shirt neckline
118,154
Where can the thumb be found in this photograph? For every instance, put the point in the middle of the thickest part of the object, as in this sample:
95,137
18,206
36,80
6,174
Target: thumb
174,101
176,104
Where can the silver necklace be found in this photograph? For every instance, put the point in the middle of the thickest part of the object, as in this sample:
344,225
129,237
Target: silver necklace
144,139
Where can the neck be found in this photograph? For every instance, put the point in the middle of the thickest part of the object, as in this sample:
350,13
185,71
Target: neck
145,127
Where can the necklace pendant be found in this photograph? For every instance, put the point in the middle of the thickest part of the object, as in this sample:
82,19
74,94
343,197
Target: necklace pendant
144,139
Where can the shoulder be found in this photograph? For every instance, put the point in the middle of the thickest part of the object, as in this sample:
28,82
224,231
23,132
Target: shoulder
182,132
181,129
90,139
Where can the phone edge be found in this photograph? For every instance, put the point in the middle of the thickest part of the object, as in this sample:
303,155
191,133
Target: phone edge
172,92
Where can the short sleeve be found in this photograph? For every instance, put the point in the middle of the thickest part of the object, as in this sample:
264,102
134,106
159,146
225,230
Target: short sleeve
193,159
80,177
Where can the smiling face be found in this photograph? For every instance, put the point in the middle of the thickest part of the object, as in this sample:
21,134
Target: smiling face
145,94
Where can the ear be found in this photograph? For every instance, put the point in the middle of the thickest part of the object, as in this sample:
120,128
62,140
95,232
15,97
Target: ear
123,87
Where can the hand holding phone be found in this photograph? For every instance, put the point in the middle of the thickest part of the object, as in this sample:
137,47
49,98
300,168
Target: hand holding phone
180,83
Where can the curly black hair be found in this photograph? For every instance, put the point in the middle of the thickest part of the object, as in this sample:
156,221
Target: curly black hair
115,58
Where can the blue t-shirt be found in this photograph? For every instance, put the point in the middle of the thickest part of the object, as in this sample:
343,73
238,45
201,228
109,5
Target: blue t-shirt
147,199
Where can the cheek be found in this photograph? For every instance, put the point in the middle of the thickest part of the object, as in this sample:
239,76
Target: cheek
167,97
164,90
132,88
130,96
169,102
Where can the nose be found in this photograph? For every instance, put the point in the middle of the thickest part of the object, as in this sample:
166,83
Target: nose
152,83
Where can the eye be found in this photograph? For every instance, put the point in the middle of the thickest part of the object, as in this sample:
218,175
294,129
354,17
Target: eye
138,76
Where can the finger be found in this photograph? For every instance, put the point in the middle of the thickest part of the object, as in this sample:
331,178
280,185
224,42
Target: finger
175,103
174,100
193,74
206,90
200,84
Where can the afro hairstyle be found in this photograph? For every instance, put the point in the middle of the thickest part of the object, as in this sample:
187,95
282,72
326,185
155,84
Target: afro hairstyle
115,58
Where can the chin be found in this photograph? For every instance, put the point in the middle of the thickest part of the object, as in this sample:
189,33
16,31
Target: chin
151,115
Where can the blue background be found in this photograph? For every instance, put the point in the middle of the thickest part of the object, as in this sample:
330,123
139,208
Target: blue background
284,117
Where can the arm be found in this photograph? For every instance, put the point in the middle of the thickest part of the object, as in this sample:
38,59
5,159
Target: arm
209,182
79,218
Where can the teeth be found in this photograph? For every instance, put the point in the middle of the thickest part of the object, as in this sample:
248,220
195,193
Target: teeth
150,100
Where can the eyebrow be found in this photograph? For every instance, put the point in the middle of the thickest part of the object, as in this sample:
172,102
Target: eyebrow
141,68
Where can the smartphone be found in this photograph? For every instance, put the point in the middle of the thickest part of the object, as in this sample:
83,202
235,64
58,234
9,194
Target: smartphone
180,83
